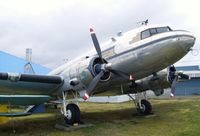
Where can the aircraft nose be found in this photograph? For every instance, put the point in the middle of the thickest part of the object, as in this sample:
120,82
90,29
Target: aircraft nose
186,42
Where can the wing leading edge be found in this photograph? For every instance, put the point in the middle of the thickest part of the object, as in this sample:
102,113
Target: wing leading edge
31,78
15,83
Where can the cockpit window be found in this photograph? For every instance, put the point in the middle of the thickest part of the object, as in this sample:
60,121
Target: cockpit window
152,31
162,29
145,34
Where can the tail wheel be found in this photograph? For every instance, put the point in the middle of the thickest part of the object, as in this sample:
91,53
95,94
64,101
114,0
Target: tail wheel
145,107
73,114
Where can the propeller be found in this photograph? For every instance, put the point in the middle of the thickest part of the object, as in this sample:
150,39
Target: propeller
184,76
96,44
104,67
122,74
94,82
174,77
173,86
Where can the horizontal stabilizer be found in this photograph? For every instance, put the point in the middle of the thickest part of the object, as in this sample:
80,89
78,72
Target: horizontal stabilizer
15,114
36,109
29,111
24,99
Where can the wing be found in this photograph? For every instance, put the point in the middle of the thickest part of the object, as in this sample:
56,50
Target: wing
29,84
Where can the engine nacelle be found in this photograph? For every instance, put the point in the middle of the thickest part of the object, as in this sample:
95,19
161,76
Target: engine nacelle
156,83
88,71
82,73
158,92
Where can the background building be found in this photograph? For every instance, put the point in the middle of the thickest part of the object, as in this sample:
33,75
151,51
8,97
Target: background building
189,87
11,63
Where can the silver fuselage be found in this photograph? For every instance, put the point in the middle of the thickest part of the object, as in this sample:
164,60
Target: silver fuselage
139,58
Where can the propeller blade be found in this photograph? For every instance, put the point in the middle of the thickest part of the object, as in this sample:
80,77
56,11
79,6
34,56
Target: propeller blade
183,75
122,74
173,85
92,85
96,43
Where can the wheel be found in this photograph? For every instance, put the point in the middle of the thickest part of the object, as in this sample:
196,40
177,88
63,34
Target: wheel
73,114
145,108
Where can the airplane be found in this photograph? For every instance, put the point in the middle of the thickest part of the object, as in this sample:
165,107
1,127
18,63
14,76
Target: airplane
132,62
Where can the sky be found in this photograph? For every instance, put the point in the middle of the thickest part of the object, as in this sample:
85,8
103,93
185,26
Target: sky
58,30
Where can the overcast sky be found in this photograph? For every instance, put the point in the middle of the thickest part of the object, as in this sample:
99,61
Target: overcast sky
57,30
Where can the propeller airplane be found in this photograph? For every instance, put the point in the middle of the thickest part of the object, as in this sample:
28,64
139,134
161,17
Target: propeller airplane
138,60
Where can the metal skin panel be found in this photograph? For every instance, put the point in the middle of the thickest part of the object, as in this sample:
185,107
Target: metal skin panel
149,59
142,85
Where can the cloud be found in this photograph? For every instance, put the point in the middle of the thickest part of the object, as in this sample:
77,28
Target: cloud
57,30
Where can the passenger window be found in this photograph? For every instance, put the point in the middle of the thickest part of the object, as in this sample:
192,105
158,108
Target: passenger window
153,31
145,34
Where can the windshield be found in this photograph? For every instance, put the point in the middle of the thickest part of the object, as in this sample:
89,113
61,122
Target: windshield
152,31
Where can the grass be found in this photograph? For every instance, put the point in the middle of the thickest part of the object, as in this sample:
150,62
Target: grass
175,117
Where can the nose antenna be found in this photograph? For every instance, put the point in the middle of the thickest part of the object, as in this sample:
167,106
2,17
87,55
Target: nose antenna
145,22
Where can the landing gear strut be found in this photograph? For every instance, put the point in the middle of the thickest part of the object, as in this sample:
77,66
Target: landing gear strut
143,106
70,111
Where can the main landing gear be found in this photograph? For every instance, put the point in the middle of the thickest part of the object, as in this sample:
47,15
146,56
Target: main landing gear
70,111
143,106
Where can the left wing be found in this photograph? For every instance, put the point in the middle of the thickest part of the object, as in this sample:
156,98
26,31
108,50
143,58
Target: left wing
28,84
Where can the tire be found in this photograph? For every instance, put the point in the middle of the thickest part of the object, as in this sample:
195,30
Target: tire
146,107
73,114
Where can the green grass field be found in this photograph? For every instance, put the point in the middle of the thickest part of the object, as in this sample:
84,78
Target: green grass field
175,117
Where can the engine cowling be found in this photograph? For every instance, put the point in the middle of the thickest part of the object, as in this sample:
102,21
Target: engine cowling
159,81
156,83
95,68
82,73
